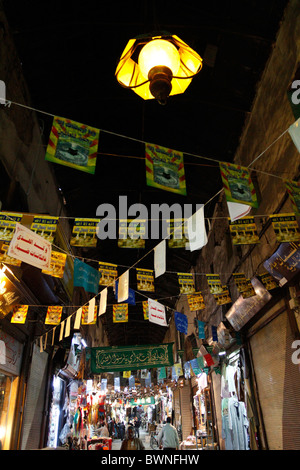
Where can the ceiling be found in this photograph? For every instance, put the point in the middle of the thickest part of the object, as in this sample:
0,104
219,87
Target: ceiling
69,52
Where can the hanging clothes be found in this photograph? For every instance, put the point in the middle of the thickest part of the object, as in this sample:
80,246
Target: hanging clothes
238,423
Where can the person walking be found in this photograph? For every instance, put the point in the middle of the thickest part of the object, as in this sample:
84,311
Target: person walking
137,424
168,437
131,442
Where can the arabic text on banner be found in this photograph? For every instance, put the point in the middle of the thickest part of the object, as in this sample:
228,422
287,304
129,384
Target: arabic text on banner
243,231
238,185
132,233
84,232
8,222
73,144
85,276
145,280
108,272
45,226
157,313
285,227
186,283
196,301
165,169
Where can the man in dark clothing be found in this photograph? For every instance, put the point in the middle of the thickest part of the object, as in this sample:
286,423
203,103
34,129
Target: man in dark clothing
137,427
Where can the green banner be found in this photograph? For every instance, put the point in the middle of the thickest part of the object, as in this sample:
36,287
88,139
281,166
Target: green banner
122,358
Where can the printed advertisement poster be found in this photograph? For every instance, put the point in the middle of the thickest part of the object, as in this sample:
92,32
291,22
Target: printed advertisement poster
238,185
84,232
4,258
8,222
243,231
196,301
19,314
176,231
285,227
241,281
45,226
165,169
109,273
57,265
214,282
85,314
132,233
268,281
73,144
120,313
223,297
145,280
186,283
53,316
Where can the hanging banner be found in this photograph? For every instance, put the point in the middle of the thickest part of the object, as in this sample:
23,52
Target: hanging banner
57,265
186,283
4,258
214,282
243,231
285,227
131,295
19,314
176,233
181,322
145,280
197,237
214,333
244,309
238,185
132,233
8,222
128,358
109,273
268,281
127,374
103,301
85,316
53,316
249,290
145,309
293,189
91,310
84,232
29,247
240,281
201,331
178,369
196,301
165,169
45,226
120,313
122,287
161,373
237,210
157,313
195,366
73,144
85,276
160,258
284,264
223,297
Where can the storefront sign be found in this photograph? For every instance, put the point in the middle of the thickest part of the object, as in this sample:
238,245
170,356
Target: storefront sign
284,264
244,309
124,358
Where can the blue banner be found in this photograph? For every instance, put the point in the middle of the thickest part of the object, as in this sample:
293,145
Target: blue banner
85,276
201,332
214,333
181,322
131,298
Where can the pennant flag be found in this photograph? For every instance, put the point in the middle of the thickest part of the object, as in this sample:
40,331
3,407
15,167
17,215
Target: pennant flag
243,231
195,366
61,332
201,331
214,333
57,265
29,247
200,362
214,282
131,295
132,233
109,273
196,301
165,169
186,283
84,232
85,315
53,316
181,322
268,281
122,287
241,281
145,310
178,369
157,313
45,226
160,258
126,374
208,359
78,319
293,189
103,301
120,313
237,211
285,227
8,223
294,131
145,280
53,336
91,310
85,276
238,185
161,373
197,237
223,298
19,314
176,233
73,144
68,327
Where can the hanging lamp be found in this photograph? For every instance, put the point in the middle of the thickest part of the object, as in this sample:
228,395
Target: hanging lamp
157,66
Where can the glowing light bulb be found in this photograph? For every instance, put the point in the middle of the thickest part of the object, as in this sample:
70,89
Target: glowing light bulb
158,52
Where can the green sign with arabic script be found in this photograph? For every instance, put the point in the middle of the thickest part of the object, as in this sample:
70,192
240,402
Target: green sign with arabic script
121,358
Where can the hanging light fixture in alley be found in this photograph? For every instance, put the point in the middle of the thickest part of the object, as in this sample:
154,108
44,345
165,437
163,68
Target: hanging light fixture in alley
157,66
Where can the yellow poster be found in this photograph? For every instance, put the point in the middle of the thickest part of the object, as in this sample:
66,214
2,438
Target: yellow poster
57,265
243,231
84,232
186,283
176,232
109,273
223,297
53,316
249,291
241,281
268,281
214,283
19,314
196,301
132,233
4,258
285,227
126,374
145,280
120,313
8,222
85,314
45,226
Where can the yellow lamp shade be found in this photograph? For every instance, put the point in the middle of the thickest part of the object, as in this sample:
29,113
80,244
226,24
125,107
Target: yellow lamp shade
158,52
146,53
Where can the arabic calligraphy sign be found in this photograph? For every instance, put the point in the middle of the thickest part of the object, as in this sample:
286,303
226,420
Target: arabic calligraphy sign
29,247
284,264
122,358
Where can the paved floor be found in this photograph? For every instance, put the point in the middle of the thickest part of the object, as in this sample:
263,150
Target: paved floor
144,436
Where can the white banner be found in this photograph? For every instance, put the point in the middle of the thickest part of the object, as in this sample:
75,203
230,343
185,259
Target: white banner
196,232
103,301
29,247
160,258
123,287
157,313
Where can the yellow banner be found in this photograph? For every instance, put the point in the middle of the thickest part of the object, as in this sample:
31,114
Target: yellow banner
53,316
19,314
